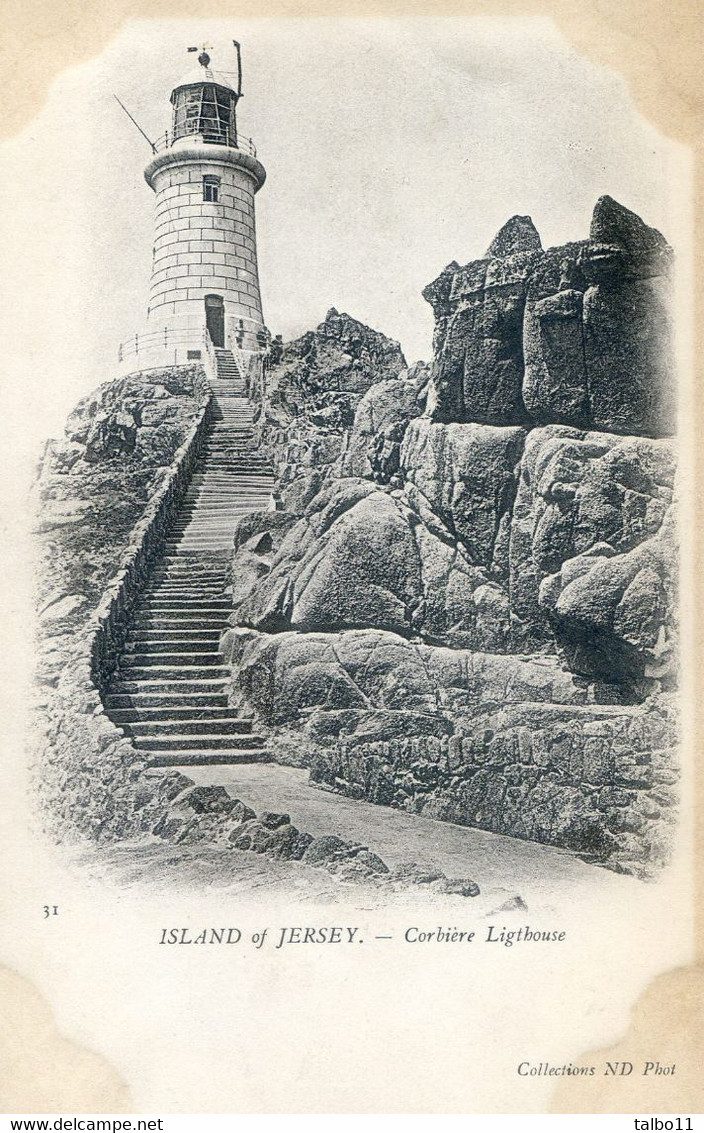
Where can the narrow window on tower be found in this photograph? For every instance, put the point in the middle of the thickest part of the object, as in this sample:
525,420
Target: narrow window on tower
211,189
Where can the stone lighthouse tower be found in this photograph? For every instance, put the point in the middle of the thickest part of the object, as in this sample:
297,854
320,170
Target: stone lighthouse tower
204,290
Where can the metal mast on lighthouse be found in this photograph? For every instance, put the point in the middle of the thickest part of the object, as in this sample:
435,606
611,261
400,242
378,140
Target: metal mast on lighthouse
204,291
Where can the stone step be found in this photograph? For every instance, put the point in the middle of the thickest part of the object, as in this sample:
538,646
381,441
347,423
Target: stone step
195,604
188,577
167,589
162,646
197,742
206,501
172,712
219,510
158,622
214,498
183,590
199,527
228,489
190,569
227,493
186,586
232,481
190,727
170,673
200,560
184,565
203,758
199,566
180,613
194,586
213,689
216,510
230,484
231,476
200,531
244,481
134,660
220,503
211,545
184,638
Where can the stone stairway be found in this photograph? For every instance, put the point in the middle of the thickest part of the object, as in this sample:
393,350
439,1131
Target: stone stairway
169,692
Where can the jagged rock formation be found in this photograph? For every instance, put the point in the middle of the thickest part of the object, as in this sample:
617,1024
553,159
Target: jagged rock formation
306,404
482,564
576,335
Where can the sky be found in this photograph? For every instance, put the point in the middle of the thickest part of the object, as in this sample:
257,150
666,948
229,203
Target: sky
391,147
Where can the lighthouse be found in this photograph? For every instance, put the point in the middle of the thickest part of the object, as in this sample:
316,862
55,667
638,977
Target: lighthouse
204,290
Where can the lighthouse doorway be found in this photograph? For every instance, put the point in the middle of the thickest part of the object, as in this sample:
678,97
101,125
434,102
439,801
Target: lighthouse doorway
215,319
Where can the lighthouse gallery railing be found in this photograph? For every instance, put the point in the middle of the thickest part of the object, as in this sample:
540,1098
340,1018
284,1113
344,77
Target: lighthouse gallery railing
217,136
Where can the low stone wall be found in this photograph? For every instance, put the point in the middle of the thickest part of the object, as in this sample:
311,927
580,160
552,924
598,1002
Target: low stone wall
600,781
109,622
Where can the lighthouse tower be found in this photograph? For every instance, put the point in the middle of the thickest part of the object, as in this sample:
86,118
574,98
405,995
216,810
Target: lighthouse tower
204,291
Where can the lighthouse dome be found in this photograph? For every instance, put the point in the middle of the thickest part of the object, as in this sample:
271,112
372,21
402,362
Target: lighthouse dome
197,76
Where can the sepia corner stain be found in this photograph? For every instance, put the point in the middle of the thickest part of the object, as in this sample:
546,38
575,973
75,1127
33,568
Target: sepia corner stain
664,1046
43,1071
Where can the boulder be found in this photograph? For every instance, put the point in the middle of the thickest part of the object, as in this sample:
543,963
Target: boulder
307,400
466,476
583,498
323,850
380,421
642,251
273,819
367,684
352,561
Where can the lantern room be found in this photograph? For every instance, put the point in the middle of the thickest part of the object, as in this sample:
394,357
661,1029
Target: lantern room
204,105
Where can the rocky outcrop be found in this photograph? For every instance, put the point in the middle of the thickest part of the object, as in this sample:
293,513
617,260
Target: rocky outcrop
361,556
592,511
380,423
470,610
305,406
578,335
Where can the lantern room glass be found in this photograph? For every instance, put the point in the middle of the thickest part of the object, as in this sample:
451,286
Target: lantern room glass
207,110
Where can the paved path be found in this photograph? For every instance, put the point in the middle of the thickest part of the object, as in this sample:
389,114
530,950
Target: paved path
538,874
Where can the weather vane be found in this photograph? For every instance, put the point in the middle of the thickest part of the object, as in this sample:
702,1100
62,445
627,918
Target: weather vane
203,58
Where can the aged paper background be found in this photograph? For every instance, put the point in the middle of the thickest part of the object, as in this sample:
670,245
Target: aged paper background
100,1021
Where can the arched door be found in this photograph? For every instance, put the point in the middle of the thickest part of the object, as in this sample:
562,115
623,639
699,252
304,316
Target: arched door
215,319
